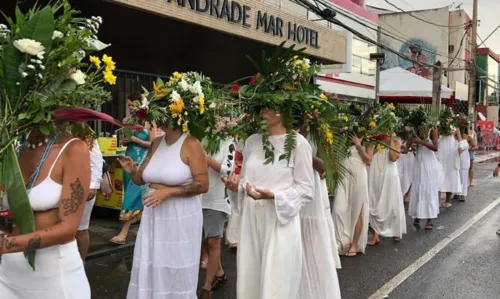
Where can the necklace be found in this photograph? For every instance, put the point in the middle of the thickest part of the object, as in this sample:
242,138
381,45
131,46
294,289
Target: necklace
34,176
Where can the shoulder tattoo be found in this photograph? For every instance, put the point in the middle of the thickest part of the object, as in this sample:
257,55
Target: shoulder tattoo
71,204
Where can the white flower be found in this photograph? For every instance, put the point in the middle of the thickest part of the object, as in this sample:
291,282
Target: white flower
196,88
24,74
81,28
18,83
29,46
57,34
79,77
42,67
307,62
97,19
184,85
145,102
196,99
39,61
40,76
3,27
40,55
212,106
30,66
88,21
174,96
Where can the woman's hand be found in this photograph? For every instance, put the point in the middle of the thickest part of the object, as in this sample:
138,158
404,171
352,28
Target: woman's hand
417,140
356,141
127,164
258,193
232,182
156,197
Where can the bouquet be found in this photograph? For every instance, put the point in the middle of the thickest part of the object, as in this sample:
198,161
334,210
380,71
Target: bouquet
461,121
419,123
43,79
446,122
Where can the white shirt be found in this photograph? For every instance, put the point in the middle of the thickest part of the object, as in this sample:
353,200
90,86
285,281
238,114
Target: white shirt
215,198
96,162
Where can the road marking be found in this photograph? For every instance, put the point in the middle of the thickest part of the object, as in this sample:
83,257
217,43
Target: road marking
403,275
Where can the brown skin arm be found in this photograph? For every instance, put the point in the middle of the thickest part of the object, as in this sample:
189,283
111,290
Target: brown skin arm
433,146
197,162
318,165
75,190
214,165
136,175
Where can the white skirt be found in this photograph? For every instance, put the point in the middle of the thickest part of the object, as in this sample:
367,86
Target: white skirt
59,274
85,223
167,251
405,168
233,229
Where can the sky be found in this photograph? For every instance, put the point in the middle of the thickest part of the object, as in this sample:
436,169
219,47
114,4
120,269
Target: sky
488,14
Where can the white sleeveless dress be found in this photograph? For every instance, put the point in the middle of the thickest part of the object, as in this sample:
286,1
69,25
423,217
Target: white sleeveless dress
387,211
167,249
351,201
424,198
448,155
59,271
320,255
464,166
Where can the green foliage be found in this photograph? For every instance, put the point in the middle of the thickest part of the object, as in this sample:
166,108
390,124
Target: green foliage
446,125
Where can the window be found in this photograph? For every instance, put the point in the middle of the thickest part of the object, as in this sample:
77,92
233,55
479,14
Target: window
361,62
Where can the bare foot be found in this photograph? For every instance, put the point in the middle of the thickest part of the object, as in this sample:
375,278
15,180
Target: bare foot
374,241
352,252
204,264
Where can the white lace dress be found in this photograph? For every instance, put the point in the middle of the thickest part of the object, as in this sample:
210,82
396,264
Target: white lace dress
405,169
387,212
269,259
464,166
350,202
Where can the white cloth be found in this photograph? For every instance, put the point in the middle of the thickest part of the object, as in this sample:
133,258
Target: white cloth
320,255
96,162
387,211
215,198
233,229
405,168
85,223
448,155
269,259
167,249
424,195
350,202
464,166
59,274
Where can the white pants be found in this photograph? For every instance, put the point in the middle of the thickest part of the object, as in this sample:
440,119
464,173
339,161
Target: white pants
59,274
84,224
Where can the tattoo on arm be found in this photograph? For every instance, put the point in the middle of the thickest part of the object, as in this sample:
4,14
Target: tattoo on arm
8,243
190,189
200,174
76,198
34,243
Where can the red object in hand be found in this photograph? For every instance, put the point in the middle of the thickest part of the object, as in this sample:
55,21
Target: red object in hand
237,169
380,137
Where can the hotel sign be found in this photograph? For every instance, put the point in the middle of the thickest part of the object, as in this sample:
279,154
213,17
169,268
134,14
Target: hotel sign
254,20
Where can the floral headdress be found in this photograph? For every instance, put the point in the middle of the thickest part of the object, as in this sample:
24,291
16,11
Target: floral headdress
419,123
180,102
284,83
43,79
446,122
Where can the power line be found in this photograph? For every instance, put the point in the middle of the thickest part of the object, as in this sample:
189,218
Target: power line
421,19
460,47
483,41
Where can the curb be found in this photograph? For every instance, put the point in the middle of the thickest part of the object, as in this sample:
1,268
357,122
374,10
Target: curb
110,251
487,157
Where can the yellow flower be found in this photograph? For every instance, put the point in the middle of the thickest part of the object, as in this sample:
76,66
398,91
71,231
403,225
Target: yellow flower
176,76
159,91
344,118
391,107
346,128
176,107
380,148
109,77
110,64
185,127
372,124
95,61
304,66
295,57
323,96
298,62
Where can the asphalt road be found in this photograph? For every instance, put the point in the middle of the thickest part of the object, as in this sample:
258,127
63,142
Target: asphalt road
467,267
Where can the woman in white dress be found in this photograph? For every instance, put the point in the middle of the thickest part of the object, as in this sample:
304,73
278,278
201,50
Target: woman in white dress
167,249
405,167
387,212
269,198
233,225
424,195
320,255
449,156
351,205
58,187
465,163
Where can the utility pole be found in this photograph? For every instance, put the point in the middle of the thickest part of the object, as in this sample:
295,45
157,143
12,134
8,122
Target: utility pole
472,65
377,71
436,87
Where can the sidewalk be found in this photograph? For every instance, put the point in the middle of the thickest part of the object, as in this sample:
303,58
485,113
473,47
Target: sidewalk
103,229
485,156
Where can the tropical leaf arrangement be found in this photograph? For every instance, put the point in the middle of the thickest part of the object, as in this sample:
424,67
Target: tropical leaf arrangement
43,79
419,123
446,124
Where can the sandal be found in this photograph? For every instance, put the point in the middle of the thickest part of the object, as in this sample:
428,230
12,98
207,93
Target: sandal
118,240
373,243
396,239
205,294
351,254
219,281
447,205
429,226
461,199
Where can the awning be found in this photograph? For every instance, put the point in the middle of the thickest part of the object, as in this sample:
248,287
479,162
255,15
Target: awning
400,83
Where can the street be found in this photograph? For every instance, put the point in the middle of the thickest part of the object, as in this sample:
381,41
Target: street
458,259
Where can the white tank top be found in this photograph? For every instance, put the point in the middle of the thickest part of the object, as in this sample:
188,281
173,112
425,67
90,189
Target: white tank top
166,166
47,194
